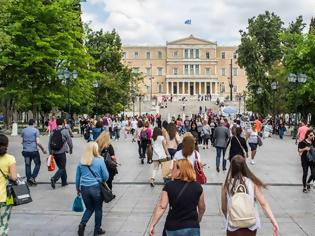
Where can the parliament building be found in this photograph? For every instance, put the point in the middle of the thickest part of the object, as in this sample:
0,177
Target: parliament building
187,67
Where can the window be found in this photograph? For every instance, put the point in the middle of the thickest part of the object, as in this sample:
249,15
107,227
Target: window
186,53
136,55
186,69
175,54
234,71
160,55
160,71
208,71
148,71
235,88
222,55
175,71
207,55
197,69
191,53
160,88
197,53
234,55
135,69
191,69
223,71
148,55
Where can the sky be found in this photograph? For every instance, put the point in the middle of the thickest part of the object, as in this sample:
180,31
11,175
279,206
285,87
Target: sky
153,22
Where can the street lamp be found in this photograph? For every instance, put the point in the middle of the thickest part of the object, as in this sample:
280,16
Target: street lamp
151,78
66,75
96,85
296,79
274,86
231,81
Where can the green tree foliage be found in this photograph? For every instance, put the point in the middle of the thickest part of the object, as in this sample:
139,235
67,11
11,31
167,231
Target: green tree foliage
259,49
45,37
312,26
115,80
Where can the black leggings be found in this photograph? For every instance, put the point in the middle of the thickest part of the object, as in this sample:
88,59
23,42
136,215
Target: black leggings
139,149
312,176
305,165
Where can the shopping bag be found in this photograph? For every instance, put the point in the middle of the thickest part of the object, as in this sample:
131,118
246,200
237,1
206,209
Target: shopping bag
167,169
51,163
77,205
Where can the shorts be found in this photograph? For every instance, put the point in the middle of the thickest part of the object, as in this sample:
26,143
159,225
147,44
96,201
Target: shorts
253,146
184,232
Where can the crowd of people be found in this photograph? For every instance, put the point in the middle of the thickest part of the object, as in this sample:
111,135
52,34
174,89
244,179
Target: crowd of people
172,148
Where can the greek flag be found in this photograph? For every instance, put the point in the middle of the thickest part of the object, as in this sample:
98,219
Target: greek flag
188,22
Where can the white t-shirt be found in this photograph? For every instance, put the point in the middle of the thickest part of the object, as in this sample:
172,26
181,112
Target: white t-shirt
134,124
179,156
158,150
253,136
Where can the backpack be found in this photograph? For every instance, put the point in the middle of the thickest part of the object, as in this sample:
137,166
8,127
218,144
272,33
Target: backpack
144,135
241,212
56,140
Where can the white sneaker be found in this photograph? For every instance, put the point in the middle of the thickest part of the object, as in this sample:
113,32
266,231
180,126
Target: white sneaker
252,162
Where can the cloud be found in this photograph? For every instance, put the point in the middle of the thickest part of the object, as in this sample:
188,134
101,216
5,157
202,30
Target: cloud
153,22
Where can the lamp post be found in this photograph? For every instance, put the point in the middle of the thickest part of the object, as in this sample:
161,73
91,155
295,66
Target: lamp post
274,86
296,79
151,78
66,75
231,82
96,85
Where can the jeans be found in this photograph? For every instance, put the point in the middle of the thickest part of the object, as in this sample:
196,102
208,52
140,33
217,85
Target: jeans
61,161
184,232
93,201
28,157
116,134
281,132
218,157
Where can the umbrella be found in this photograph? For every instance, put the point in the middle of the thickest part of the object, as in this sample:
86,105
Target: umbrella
229,110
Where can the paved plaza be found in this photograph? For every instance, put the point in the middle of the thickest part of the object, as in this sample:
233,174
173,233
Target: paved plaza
129,214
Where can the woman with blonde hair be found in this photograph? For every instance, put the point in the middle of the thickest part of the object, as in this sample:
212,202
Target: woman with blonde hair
185,198
90,171
107,152
238,177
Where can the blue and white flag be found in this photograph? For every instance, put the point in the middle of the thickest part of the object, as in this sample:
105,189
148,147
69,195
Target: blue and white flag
188,22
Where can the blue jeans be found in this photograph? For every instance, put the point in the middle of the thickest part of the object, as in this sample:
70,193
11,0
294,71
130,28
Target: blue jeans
29,157
218,157
93,201
184,232
281,132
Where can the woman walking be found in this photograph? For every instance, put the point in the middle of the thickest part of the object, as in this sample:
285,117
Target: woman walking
172,139
107,152
8,168
238,144
304,147
185,198
91,164
240,175
206,134
160,152
252,137
145,139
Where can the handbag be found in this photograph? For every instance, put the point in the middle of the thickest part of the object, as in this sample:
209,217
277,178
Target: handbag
107,194
77,205
109,162
51,163
259,141
200,175
18,192
167,169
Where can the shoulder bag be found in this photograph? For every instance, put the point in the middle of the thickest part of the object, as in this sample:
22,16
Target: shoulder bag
241,145
107,194
200,174
18,191
179,195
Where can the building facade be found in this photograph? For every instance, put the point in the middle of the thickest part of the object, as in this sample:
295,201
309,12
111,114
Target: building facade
188,66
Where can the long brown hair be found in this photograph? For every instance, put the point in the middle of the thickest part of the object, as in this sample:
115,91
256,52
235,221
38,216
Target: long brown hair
239,169
171,130
188,146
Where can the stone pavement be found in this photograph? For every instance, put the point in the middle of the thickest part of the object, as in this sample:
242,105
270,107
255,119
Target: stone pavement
129,214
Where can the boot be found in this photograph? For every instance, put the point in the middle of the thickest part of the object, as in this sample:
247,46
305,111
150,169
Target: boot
100,231
81,230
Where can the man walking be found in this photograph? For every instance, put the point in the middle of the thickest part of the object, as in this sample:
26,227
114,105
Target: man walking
60,143
221,136
30,141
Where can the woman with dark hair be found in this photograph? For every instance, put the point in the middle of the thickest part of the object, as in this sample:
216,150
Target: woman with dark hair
97,130
304,147
164,128
172,139
238,144
194,132
145,139
7,168
137,137
160,152
239,176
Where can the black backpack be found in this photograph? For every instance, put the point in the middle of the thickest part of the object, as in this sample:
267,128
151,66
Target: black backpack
56,140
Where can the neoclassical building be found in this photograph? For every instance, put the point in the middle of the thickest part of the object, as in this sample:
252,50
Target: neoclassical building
187,66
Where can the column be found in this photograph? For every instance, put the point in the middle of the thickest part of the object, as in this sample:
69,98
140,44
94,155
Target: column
172,88
177,87
167,91
194,83
199,87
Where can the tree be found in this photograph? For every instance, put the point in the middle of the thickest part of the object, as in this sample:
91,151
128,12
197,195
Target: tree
114,79
45,37
312,26
259,49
